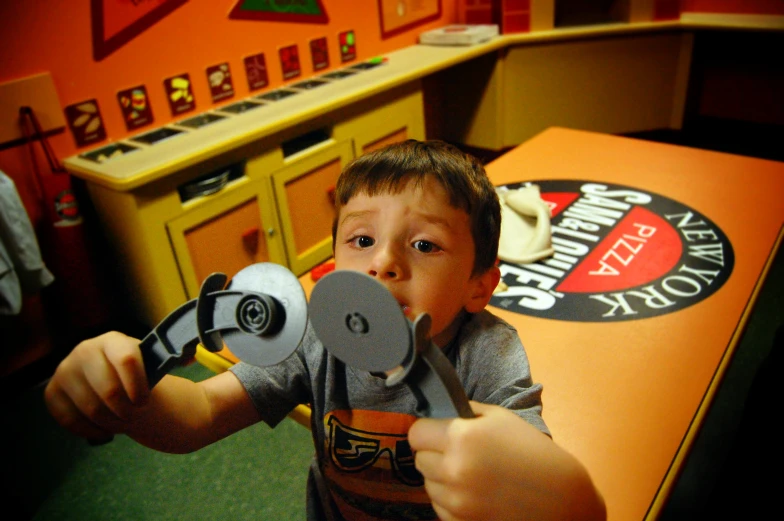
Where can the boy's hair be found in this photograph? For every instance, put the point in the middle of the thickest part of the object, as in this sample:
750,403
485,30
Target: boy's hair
389,169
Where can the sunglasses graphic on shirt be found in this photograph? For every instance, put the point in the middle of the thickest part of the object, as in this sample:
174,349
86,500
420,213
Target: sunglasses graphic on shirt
353,450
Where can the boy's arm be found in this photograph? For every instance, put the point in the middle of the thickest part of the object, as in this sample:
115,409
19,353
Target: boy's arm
497,466
100,389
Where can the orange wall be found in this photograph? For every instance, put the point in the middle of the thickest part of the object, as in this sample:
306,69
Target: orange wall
40,36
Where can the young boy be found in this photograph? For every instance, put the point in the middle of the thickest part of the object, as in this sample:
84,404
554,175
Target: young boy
423,219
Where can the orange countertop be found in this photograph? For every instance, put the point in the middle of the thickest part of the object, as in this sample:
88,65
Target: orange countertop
628,397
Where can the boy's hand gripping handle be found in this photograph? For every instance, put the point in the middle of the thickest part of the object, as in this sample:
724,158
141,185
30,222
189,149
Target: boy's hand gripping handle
261,316
361,324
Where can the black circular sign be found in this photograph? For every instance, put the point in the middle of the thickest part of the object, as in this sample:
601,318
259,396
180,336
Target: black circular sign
621,253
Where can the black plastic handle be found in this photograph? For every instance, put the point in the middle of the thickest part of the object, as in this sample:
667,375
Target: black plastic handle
204,320
432,378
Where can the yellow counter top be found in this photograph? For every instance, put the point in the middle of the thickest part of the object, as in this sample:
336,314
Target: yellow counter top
152,162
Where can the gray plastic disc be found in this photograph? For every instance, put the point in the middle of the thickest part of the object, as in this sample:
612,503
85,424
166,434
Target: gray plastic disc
281,284
359,321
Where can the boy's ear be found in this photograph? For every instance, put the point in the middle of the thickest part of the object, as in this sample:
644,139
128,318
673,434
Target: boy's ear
482,290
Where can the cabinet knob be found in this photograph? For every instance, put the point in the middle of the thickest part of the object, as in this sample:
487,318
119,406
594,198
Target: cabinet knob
331,195
270,231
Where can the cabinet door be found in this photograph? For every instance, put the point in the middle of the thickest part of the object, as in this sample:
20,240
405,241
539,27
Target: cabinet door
226,234
387,118
303,191
393,137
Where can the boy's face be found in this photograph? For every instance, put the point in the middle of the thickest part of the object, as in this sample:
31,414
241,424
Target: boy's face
420,247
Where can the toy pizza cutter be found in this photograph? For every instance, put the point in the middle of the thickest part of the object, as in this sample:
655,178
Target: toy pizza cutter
361,324
261,315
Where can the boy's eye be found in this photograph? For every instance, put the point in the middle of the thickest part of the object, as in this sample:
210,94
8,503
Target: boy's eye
426,246
363,241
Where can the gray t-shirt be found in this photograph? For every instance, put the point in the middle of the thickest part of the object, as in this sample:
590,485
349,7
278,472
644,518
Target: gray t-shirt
363,467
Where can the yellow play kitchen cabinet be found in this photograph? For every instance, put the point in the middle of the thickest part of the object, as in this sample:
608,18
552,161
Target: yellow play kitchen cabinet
223,190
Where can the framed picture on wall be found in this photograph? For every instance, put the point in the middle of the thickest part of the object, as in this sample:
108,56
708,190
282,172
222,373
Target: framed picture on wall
398,16
117,22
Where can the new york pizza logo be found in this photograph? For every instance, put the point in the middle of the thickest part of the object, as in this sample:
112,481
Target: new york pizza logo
620,254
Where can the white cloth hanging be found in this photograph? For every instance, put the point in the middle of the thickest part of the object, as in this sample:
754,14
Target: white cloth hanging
22,270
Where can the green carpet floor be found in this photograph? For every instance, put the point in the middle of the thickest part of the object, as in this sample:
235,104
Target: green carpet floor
50,475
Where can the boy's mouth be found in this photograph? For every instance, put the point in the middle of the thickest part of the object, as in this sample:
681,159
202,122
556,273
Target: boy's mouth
407,311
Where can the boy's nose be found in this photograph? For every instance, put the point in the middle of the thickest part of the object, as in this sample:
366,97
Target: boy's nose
386,263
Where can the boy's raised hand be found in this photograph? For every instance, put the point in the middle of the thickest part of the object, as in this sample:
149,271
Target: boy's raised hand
98,387
497,466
